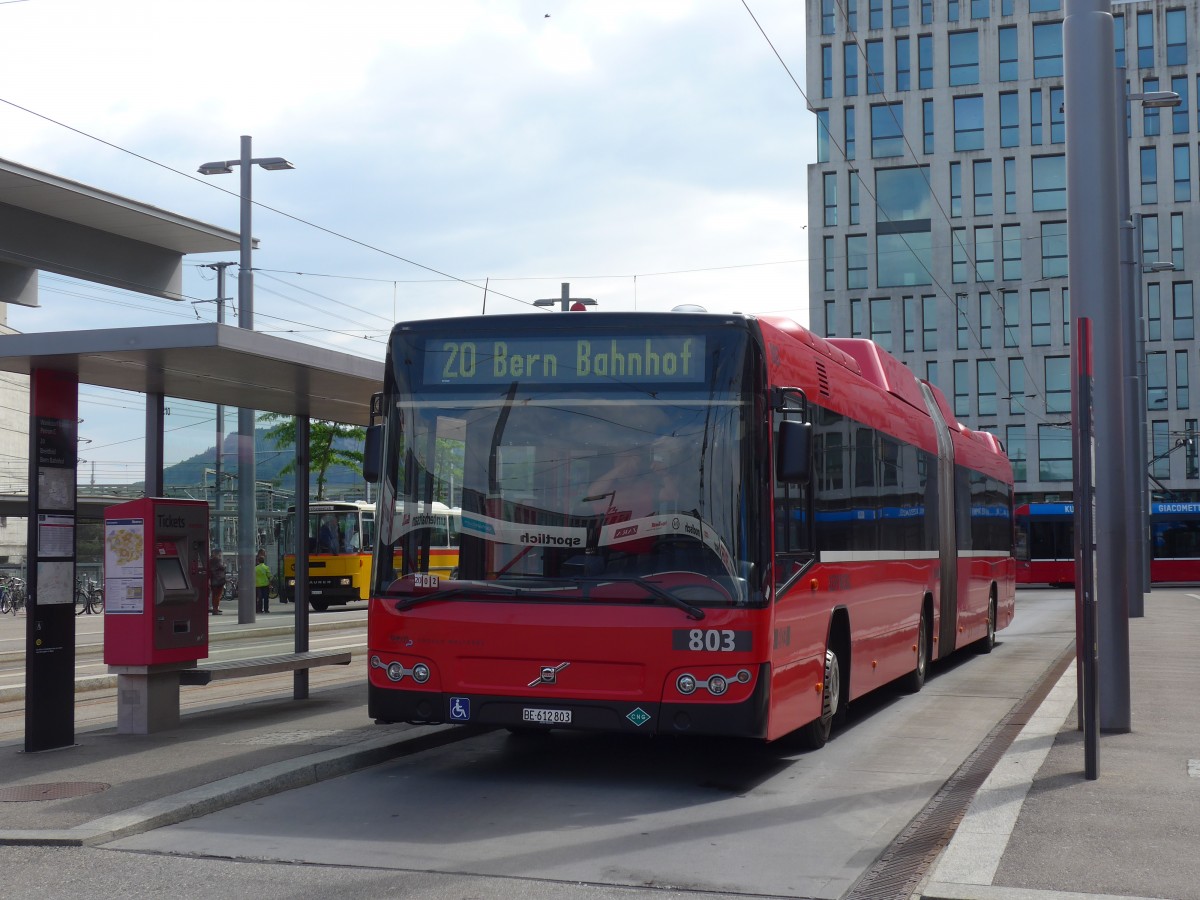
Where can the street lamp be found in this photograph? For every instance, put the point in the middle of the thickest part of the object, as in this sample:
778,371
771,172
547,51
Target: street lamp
247,528
1133,352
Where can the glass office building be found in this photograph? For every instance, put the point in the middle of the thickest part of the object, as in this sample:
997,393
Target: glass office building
937,211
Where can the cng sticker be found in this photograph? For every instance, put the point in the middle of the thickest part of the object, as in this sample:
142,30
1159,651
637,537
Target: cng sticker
639,717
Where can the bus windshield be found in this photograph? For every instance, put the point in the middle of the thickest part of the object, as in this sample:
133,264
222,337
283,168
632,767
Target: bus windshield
572,490
333,529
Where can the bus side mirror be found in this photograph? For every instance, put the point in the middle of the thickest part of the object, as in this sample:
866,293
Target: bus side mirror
793,452
372,453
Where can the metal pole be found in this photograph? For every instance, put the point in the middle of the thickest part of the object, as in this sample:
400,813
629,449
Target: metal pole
1141,464
247,526
219,500
1083,418
1094,274
300,548
1129,323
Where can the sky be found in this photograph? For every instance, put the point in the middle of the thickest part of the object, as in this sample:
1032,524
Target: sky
648,152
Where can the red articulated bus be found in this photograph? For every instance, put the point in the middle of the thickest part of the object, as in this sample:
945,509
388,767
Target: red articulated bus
675,523
1045,547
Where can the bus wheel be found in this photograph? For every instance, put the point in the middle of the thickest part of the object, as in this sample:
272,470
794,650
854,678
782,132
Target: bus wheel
319,605
988,641
816,733
915,680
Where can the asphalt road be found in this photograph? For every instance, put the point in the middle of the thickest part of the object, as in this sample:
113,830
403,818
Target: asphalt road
594,815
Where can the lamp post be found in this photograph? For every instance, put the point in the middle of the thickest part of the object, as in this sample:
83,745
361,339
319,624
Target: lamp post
1136,546
247,527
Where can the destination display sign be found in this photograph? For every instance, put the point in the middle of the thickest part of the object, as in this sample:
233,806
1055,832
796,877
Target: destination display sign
661,359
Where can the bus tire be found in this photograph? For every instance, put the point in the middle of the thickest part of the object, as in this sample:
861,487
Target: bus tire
915,680
319,605
816,733
988,641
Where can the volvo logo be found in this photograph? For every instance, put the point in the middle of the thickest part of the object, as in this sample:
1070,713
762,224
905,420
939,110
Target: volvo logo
549,674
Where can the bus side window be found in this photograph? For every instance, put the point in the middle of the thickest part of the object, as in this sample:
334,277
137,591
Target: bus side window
440,534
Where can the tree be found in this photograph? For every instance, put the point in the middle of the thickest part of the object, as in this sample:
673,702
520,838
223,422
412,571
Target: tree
324,451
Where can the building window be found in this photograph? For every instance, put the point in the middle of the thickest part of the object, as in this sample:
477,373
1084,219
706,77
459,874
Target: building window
1035,116
981,9
926,12
1154,312
929,322
822,135
1010,239
955,189
1058,122
881,322
1010,186
951,10
1191,454
1054,453
827,19
856,319
1182,379
985,386
831,318
1149,240
1177,37
964,58
986,302
1010,120
1177,241
826,71
903,70
1182,311
1145,40
962,388
903,242
931,372
1047,50
982,177
1156,380
1007,37
851,11
829,263
1149,172
985,253
925,61
1049,182
1058,384
1151,122
854,182
1039,317
1045,5
1181,114
958,248
962,330
1119,41
899,13
1016,387
968,123
1010,300
1006,7
1161,447
874,67
927,124
849,142
887,130
909,305
856,261
829,190
875,14
1054,249
1066,311
1182,158
850,70
1015,445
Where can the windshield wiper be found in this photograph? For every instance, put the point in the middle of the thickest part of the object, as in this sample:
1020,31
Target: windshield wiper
490,589
694,612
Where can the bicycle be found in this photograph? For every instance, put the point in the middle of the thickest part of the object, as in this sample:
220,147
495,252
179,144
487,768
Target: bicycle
14,595
89,597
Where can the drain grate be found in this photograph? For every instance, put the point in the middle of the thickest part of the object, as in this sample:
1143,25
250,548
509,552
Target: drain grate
900,868
55,790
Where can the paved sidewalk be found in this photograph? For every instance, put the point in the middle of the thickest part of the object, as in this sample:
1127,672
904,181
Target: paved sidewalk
1038,829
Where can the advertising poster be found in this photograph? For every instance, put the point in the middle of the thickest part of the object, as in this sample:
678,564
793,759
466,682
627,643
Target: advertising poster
124,566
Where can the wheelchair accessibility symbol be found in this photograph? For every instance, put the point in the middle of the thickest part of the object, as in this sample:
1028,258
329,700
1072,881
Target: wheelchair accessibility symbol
460,709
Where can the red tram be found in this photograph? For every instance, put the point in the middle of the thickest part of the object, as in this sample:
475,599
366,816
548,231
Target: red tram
672,523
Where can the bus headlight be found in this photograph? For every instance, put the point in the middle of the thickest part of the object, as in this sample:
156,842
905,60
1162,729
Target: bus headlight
344,582
395,672
420,673
717,685
685,684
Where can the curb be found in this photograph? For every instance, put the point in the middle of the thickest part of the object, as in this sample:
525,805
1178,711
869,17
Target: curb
242,788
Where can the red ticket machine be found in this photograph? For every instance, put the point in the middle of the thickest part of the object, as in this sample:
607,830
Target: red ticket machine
155,582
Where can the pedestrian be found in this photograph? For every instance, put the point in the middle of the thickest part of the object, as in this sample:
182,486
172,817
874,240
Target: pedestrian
262,583
216,579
